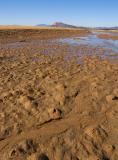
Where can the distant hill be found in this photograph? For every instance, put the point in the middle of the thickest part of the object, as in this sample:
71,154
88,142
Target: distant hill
114,27
107,28
63,25
42,25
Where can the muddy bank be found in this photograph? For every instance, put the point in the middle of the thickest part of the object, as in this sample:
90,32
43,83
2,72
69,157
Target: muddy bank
108,36
13,35
57,104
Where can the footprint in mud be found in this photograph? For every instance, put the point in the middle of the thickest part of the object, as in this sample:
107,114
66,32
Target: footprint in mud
111,98
50,114
41,156
23,148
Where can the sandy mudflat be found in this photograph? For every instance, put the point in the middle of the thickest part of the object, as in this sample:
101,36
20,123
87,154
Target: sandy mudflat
54,103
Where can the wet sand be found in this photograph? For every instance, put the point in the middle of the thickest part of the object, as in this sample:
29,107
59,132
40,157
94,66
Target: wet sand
57,102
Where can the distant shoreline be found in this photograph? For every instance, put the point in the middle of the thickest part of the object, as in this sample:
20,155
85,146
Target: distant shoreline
37,27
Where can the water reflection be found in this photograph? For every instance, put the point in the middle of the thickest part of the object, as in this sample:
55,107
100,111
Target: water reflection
93,41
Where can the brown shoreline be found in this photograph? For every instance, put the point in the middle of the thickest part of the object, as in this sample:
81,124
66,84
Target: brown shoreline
41,33
107,36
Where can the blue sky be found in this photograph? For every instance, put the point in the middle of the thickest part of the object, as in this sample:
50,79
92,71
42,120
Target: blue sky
77,12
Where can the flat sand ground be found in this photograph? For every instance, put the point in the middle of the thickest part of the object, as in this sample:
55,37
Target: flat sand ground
54,103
